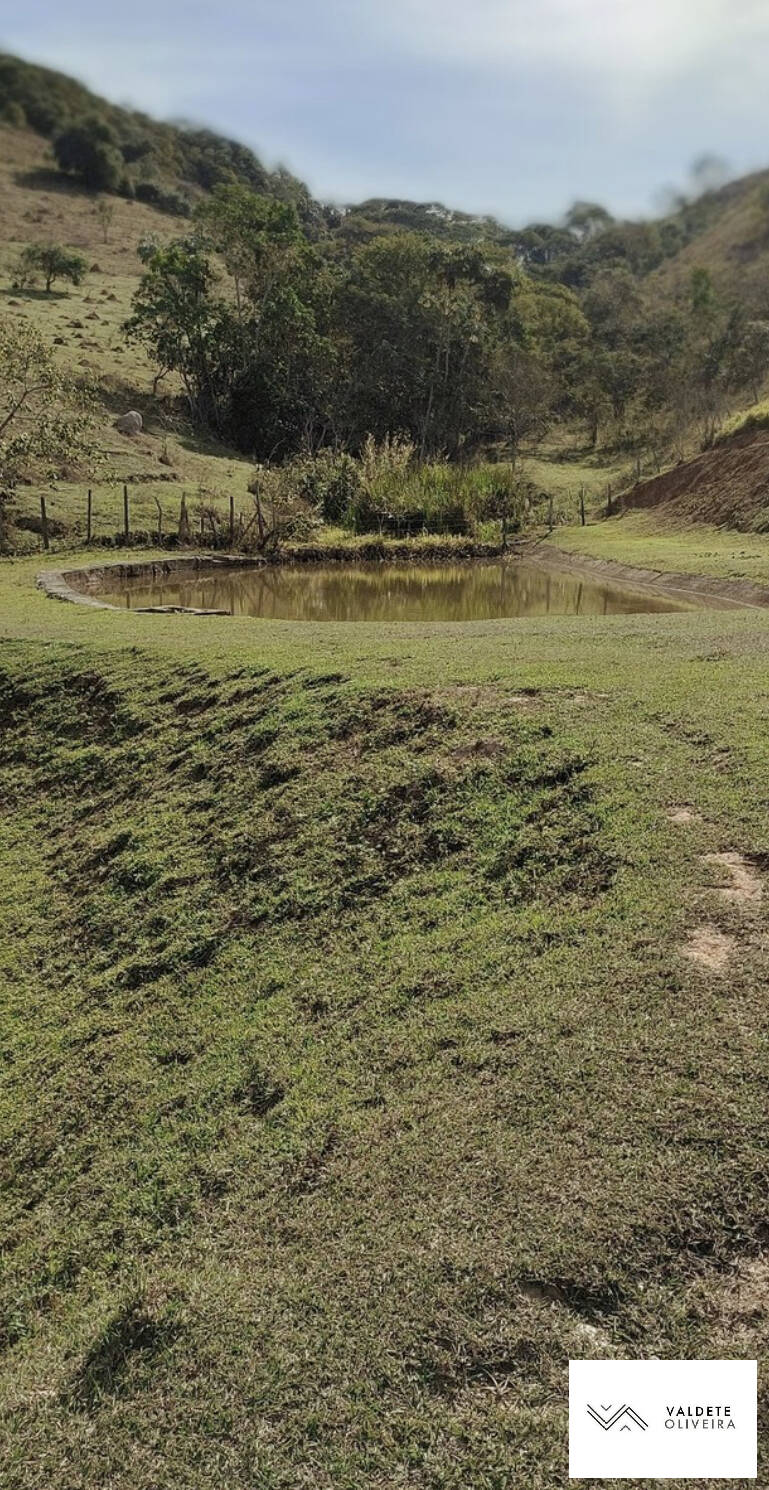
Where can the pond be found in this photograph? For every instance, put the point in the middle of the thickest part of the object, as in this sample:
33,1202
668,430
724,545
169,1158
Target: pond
478,591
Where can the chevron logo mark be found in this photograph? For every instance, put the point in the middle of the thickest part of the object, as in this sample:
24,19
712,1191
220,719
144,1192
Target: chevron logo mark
625,1418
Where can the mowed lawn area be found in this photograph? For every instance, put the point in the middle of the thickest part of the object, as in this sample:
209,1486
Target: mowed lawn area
384,1021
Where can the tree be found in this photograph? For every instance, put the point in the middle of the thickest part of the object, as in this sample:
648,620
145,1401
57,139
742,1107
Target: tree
256,237
51,262
585,219
12,113
105,211
431,335
748,362
44,415
709,172
183,325
88,150
256,362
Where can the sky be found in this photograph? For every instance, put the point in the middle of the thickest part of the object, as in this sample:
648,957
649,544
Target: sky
513,107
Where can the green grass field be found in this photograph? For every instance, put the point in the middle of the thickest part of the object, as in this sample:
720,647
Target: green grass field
356,1070
641,538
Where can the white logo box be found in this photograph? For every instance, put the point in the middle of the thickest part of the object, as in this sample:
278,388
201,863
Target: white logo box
662,1420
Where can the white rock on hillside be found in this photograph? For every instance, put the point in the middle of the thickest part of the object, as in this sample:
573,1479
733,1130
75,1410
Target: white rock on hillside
130,423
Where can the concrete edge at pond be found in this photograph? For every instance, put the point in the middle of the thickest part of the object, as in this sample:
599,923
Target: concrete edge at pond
81,586
727,592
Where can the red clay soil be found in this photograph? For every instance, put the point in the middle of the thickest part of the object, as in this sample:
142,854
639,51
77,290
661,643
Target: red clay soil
727,486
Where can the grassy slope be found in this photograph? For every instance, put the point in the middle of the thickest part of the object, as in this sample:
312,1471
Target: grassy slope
353,1078
88,320
731,239
650,541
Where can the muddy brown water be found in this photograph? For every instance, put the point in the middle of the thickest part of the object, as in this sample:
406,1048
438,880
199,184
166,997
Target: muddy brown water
478,591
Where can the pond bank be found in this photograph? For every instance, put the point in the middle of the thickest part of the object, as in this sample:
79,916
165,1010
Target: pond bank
716,589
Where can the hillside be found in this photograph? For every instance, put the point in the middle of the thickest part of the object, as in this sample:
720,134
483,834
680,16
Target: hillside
727,486
160,163
85,326
728,234
632,282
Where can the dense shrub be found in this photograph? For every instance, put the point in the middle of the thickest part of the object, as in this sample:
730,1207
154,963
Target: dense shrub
12,113
331,482
163,198
88,150
49,262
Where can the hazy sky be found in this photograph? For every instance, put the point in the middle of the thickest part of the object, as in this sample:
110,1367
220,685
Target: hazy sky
515,107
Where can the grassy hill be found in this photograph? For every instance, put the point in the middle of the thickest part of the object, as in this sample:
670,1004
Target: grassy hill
727,232
85,325
158,161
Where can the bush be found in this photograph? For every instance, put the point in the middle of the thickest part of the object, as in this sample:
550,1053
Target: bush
50,262
387,491
164,199
88,151
13,114
281,511
329,482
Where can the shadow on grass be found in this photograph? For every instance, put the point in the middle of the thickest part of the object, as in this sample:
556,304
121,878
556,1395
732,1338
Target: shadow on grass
132,1334
44,295
47,178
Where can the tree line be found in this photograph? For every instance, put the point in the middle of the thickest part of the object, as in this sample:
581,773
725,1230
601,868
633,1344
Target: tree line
283,344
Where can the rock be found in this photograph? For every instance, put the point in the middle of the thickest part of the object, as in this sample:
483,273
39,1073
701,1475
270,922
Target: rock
165,459
130,423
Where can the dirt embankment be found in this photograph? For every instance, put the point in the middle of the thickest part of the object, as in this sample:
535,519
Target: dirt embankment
727,486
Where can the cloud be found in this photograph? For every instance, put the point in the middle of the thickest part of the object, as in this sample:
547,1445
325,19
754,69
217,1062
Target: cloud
513,106
634,37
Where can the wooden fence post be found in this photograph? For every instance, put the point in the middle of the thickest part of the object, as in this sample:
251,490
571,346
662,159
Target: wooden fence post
550,514
582,506
126,528
44,524
89,510
184,521
160,521
232,521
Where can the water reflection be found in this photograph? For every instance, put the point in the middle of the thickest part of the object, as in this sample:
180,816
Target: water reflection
378,592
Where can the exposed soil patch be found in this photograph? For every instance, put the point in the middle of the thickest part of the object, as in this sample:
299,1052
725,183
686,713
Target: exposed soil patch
727,485
709,948
683,815
744,887
750,1295
738,1310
